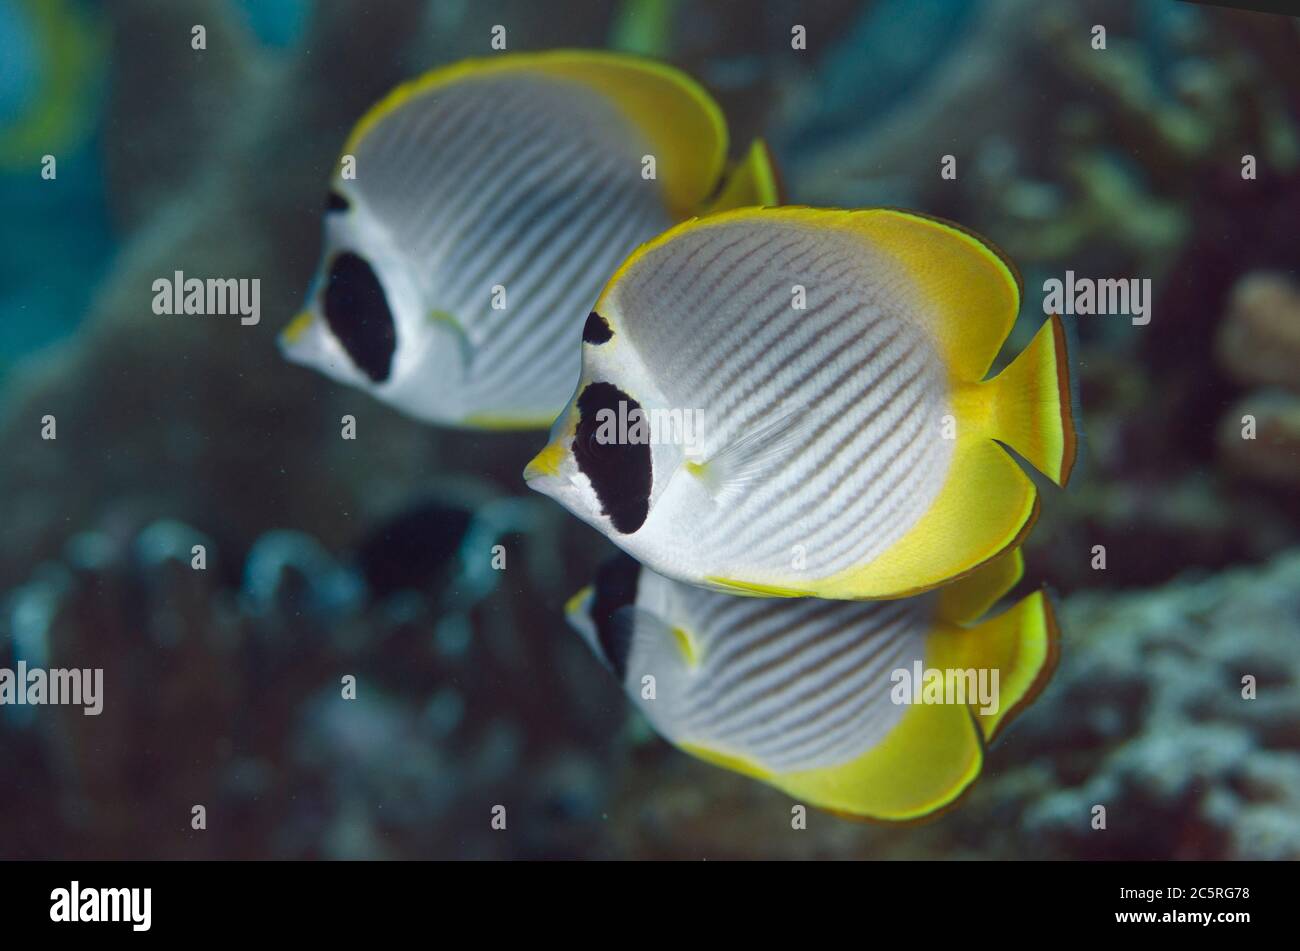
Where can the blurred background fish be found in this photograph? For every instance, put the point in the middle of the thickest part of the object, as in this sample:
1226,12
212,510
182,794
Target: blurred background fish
806,694
52,53
478,209
52,68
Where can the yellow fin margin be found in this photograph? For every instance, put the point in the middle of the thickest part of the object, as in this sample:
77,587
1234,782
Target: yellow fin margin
499,423
986,506
751,589
578,601
925,764
936,751
971,288
958,274
752,181
1022,643
683,123
1030,404
970,598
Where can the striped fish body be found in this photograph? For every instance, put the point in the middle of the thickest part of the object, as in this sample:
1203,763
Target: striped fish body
803,693
475,215
844,445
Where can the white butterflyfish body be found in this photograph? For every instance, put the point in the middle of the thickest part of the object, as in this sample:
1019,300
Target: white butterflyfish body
804,694
852,446
476,213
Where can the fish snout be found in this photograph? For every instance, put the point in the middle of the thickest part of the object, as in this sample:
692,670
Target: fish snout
543,472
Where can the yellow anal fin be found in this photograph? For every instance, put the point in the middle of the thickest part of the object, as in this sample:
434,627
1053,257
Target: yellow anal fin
1030,404
923,765
986,506
1022,644
936,751
932,755
751,181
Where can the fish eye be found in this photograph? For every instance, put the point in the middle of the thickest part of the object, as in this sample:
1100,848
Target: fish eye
597,445
596,330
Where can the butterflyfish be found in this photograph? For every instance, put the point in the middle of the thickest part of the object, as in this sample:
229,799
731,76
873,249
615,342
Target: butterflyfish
476,212
793,402
872,709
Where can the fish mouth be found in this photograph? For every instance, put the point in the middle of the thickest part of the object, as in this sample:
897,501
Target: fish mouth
545,466
293,333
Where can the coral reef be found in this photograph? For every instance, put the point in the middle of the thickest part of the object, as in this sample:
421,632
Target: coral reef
1259,346
230,697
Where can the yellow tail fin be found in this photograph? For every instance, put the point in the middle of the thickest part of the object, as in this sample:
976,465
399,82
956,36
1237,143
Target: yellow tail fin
751,181
1031,404
1022,644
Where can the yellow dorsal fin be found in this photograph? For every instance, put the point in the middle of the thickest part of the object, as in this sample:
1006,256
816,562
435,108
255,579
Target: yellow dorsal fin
751,181
682,122
970,290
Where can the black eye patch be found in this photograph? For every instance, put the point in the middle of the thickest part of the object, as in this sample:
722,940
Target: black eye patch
619,471
596,330
336,202
356,309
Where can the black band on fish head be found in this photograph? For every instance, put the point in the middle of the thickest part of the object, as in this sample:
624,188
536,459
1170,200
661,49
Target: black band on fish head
619,468
335,202
615,589
596,330
356,309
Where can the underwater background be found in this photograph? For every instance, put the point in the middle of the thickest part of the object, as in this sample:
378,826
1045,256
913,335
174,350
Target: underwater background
369,558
